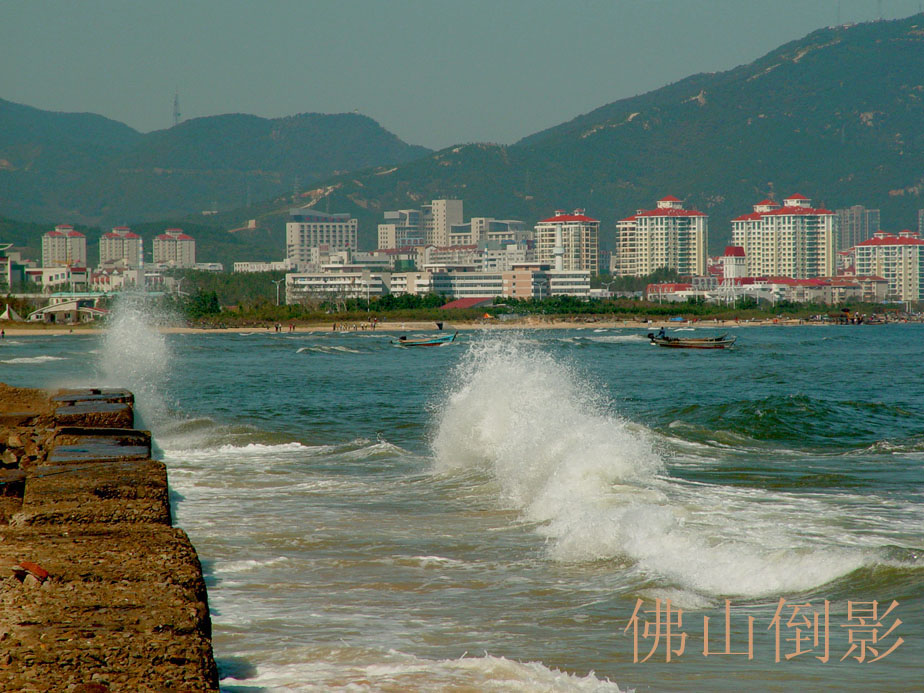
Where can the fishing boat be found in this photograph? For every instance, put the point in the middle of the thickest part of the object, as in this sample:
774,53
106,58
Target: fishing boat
720,342
403,341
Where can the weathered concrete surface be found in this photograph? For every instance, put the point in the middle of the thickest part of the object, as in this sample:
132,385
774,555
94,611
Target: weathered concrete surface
97,590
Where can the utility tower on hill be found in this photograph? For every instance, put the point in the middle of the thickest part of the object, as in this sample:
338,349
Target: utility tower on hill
176,107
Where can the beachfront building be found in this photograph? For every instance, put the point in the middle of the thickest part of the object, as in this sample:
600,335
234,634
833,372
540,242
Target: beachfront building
120,248
311,228
336,283
173,248
897,258
243,267
668,236
529,280
855,224
416,283
568,241
64,247
795,240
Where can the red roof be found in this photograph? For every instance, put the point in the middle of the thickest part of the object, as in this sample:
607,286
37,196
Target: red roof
734,251
787,211
669,198
669,213
75,234
892,240
782,212
561,218
54,234
467,303
766,202
63,226
797,196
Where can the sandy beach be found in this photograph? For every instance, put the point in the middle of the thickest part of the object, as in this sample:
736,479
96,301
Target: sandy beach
19,329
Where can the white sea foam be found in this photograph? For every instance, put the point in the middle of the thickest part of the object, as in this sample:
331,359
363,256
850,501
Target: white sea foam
594,483
26,360
355,670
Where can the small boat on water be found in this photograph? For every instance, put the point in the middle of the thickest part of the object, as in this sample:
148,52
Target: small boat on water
720,342
403,341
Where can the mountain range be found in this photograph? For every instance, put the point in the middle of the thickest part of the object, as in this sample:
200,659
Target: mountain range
836,116
87,169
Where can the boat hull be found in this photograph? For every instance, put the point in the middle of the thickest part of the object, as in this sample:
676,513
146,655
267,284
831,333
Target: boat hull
434,342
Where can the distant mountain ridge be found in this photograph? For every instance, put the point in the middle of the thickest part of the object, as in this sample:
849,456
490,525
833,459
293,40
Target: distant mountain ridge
836,116
84,168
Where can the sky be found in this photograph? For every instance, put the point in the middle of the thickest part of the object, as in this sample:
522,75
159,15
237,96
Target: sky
434,72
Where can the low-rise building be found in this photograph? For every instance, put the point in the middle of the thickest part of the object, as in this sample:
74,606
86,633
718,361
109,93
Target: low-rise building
243,267
337,284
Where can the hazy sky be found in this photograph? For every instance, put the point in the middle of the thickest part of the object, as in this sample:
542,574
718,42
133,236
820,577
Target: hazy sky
434,72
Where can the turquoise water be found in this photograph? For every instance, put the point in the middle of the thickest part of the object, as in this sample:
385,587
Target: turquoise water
485,516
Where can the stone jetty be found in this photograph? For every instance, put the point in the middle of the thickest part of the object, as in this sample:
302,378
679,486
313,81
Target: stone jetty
98,591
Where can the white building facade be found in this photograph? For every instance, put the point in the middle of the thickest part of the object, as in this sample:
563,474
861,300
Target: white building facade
64,247
568,241
173,248
897,258
120,248
795,240
310,228
668,236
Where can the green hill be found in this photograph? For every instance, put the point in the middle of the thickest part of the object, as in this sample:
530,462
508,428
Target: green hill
83,168
835,116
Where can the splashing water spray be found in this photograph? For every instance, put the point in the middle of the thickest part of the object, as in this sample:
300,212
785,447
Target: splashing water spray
135,355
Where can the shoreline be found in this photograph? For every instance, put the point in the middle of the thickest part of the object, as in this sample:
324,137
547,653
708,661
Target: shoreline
428,325
19,330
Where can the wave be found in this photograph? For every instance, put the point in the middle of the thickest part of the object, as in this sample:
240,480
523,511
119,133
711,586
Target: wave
325,349
354,669
24,360
595,486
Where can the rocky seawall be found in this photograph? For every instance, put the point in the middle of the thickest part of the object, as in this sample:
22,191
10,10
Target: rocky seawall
98,591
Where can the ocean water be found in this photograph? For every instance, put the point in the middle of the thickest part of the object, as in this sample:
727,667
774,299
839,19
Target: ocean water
487,516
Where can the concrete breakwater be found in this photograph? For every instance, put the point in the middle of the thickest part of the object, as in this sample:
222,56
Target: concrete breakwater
98,591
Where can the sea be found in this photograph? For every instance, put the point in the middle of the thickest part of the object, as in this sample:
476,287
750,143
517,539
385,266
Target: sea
536,510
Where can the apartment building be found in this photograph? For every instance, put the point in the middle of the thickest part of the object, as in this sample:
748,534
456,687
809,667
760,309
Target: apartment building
667,236
64,247
855,224
173,248
120,248
568,241
311,228
898,258
795,240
